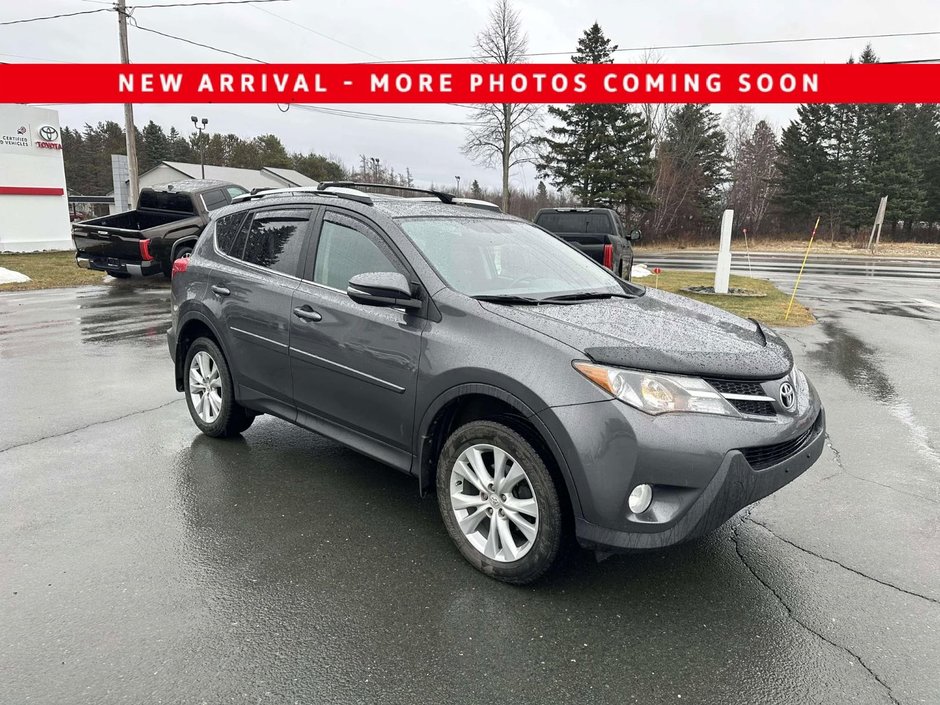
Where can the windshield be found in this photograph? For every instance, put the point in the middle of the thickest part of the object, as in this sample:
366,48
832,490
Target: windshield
489,257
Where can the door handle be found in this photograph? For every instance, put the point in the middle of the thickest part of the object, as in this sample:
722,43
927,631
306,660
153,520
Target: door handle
221,290
307,314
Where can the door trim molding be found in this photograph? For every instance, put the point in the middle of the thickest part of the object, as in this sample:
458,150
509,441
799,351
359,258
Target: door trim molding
352,372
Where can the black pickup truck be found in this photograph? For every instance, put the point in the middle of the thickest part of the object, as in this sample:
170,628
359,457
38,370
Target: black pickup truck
164,227
597,232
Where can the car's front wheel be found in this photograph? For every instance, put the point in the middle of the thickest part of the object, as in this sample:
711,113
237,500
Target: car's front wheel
210,394
499,502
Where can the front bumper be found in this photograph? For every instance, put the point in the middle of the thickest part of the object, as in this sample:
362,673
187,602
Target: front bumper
697,465
114,264
734,486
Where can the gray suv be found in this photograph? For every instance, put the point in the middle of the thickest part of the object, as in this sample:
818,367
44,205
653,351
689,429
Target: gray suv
542,397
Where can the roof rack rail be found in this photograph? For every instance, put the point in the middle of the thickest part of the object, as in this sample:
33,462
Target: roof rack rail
440,195
350,194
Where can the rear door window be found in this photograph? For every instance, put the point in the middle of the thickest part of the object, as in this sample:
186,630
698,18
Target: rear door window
275,239
214,199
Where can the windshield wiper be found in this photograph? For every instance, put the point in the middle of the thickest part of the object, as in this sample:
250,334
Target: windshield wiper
507,299
585,295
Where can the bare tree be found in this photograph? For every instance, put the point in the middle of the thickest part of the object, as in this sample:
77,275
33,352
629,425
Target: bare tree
754,176
656,114
504,132
738,124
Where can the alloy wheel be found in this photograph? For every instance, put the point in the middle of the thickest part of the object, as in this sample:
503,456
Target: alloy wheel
494,503
205,387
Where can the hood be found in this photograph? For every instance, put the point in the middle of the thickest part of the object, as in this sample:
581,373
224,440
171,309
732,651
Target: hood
660,332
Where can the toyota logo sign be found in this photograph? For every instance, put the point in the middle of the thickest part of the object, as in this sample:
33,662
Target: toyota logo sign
49,133
787,395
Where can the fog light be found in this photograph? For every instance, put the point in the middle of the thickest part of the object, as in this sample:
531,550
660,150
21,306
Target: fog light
640,499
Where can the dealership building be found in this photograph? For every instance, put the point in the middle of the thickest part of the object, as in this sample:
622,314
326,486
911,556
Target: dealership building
34,212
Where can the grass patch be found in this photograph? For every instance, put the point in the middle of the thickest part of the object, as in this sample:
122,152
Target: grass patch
48,270
769,309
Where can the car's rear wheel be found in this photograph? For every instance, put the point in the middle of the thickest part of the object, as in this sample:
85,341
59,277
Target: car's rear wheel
210,393
499,502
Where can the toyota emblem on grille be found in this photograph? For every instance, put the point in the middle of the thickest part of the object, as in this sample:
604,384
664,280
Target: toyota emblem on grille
787,395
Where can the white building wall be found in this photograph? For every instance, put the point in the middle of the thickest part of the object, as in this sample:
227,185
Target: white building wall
34,211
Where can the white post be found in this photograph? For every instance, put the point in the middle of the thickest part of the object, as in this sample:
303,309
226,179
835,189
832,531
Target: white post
875,238
723,271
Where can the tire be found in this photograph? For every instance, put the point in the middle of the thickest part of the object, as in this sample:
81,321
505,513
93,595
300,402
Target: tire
532,499
215,412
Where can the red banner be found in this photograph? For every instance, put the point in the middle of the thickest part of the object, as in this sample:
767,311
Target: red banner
470,83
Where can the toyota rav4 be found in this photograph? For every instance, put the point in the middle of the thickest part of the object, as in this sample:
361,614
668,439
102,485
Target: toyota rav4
542,397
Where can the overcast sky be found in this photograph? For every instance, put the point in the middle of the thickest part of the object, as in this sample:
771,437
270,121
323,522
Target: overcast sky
364,30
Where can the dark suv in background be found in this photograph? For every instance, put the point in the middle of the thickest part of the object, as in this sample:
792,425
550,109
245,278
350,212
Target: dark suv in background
597,232
541,395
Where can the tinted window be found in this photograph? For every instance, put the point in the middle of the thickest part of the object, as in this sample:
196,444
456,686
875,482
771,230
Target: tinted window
214,199
576,222
166,201
226,235
275,241
344,252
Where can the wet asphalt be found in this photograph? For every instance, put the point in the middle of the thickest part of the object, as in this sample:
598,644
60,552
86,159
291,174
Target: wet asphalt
143,562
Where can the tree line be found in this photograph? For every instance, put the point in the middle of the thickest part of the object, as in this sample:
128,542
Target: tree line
671,170
87,153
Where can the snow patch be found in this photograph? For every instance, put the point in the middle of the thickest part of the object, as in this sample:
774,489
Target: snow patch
8,276
639,270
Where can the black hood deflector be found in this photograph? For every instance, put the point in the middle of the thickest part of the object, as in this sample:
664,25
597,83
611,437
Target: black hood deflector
661,332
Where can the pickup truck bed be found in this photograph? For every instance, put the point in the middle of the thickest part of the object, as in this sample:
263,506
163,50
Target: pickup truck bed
146,240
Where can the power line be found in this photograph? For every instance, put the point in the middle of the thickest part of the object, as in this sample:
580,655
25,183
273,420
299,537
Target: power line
704,45
56,17
195,43
318,33
377,117
207,3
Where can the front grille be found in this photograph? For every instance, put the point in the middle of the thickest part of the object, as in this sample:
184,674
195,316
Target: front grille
753,407
736,386
761,457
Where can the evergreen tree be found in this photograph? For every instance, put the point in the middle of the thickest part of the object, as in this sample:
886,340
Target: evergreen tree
153,148
541,195
476,191
695,141
601,152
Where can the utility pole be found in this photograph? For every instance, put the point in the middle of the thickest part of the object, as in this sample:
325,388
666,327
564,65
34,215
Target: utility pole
458,185
129,129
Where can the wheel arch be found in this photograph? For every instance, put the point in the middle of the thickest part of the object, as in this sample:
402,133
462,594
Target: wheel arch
194,326
469,402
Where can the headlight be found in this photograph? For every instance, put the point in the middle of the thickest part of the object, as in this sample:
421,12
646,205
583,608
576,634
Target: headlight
656,393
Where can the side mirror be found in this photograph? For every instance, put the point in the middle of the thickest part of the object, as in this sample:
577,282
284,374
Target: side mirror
635,234
389,289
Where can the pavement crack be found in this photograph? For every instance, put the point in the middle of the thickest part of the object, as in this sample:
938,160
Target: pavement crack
90,425
840,564
737,548
837,456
